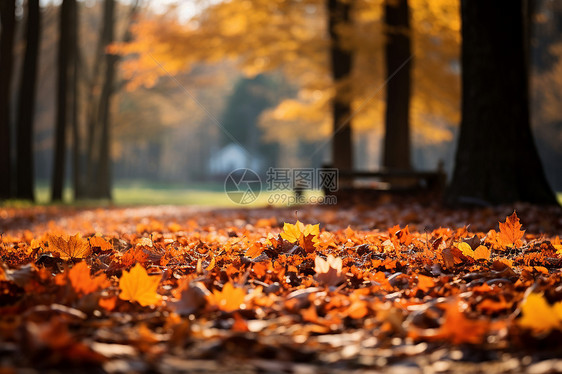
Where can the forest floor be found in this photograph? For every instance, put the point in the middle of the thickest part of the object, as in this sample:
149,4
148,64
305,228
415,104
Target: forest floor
396,286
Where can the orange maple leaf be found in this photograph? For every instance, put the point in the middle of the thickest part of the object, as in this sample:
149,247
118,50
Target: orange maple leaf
425,283
255,249
73,247
510,231
134,255
229,299
108,303
402,235
458,329
82,282
101,243
137,285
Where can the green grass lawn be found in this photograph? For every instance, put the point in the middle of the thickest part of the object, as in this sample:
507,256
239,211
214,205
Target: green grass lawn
202,194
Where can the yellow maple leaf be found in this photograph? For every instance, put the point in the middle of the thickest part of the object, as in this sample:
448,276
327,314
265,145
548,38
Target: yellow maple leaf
229,299
137,285
73,247
539,315
479,253
301,234
510,231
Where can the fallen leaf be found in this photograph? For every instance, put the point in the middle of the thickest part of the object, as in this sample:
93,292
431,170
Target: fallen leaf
538,315
73,247
480,253
137,285
329,271
101,243
305,236
192,296
108,303
425,283
229,299
254,250
82,282
211,265
510,231
458,329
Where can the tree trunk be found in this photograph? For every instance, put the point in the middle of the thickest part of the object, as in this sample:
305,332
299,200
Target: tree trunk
104,176
398,62
341,59
77,174
26,105
8,20
92,121
496,161
63,66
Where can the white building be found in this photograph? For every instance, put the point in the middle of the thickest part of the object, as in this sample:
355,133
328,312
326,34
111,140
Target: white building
232,157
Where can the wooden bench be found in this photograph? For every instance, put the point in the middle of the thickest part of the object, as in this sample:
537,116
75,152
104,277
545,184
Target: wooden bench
358,185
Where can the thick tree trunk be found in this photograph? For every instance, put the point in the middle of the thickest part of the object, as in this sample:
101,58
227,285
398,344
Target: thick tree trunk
63,67
8,20
104,176
398,61
26,105
496,160
341,59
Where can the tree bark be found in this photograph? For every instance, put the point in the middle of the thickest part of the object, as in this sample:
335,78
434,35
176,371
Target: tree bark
496,160
63,68
398,62
8,20
77,174
341,60
108,37
92,121
26,105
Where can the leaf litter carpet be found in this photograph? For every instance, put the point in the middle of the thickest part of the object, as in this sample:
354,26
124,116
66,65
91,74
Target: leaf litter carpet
396,287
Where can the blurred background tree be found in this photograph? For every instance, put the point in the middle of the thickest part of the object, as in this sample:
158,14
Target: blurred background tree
182,62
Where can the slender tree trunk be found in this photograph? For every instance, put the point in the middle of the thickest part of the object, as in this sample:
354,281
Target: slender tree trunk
8,20
77,175
104,176
92,131
26,105
341,59
396,153
496,161
63,65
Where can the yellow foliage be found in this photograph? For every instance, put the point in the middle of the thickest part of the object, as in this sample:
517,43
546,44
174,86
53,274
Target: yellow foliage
229,299
137,285
539,315
263,35
298,232
480,253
